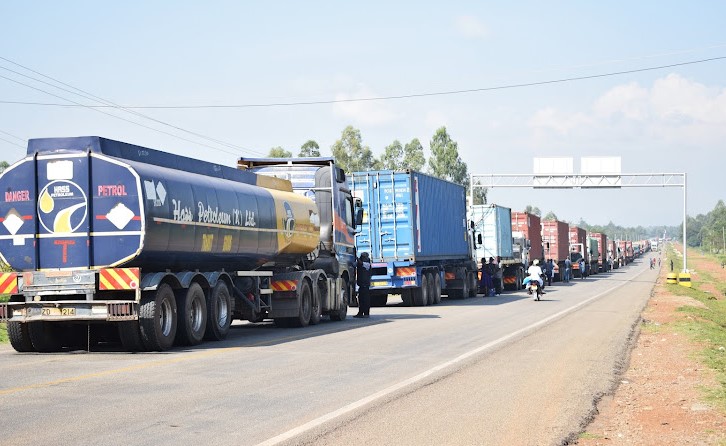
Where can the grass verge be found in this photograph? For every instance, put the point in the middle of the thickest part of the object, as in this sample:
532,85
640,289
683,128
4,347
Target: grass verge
706,325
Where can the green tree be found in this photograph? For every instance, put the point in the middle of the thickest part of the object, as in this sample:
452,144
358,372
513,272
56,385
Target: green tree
350,153
3,165
392,157
445,162
413,155
279,152
310,148
480,195
550,216
533,210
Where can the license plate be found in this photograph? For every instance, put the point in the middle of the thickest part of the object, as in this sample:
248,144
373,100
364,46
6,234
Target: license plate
379,283
58,311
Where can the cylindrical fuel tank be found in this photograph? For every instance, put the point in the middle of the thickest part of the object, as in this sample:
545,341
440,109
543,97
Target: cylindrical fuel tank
90,202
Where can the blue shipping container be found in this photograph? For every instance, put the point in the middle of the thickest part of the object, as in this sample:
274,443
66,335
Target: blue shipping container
410,216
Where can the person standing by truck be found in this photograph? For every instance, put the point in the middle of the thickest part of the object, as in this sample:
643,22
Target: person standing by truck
498,275
568,269
363,275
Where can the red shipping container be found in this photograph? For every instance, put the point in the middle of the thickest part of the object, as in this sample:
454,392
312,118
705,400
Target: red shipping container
530,226
602,243
578,239
555,236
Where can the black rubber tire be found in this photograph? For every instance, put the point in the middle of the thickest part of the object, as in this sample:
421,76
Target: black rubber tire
192,316
130,335
379,300
20,337
341,313
407,297
45,337
306,306
465,286
219,312
473,286
432,289
158,318
437,287
421,294
315,309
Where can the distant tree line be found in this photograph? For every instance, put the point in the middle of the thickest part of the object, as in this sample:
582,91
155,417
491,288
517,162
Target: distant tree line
353,156
708,231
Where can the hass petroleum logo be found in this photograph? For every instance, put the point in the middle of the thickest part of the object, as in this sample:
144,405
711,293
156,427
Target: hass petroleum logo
62,207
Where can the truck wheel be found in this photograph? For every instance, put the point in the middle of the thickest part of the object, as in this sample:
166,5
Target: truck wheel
158,318
219,313
20,337
431,289
130,335
407,297
306,304
341,313
44,336
421,294
315,309
465,286
192,306
437,287
472,284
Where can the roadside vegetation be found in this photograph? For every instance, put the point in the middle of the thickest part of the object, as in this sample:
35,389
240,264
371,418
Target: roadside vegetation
707,323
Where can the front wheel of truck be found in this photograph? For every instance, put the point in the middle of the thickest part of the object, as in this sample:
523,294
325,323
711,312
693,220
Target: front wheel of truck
20,337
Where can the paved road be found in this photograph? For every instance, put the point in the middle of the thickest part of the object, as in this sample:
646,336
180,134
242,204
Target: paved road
503,370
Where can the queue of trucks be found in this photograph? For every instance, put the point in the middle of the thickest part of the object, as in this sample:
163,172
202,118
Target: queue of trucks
154,250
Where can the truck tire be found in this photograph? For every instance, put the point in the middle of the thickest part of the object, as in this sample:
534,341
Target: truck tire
306,306
192,311
465,286
473,286
315,309
341,313
219,312
407,297
421,294
431,289
130,335
158,318
437,288
45,337
20,337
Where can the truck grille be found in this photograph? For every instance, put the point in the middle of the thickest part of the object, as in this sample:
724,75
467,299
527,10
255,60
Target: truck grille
121,311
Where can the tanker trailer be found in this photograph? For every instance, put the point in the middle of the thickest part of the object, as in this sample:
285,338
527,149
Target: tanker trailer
161,248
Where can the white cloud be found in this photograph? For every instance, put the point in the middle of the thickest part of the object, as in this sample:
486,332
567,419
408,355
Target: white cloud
373,113
471,26
673,111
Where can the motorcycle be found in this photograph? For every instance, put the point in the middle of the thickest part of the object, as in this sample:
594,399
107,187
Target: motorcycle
533,287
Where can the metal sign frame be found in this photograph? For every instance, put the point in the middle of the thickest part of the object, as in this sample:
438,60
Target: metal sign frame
581,181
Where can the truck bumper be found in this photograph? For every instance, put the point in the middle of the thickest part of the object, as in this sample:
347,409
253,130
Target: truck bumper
69,311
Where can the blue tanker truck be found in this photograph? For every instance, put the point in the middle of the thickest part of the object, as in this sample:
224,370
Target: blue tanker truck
157,249
416,230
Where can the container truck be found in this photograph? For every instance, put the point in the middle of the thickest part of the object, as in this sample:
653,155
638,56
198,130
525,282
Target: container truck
629,251
494,238
163,249
416,232
555,238
578,250
602,243
622,250
593,255
529,228
613,254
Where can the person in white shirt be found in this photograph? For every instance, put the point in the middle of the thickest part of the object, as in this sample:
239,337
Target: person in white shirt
535,272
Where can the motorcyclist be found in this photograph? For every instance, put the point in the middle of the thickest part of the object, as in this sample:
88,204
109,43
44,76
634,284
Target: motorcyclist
535,273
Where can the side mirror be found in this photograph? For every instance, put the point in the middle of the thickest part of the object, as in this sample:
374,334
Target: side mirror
478,239
358,216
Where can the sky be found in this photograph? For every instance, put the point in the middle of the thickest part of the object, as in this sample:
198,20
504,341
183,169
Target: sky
255,54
